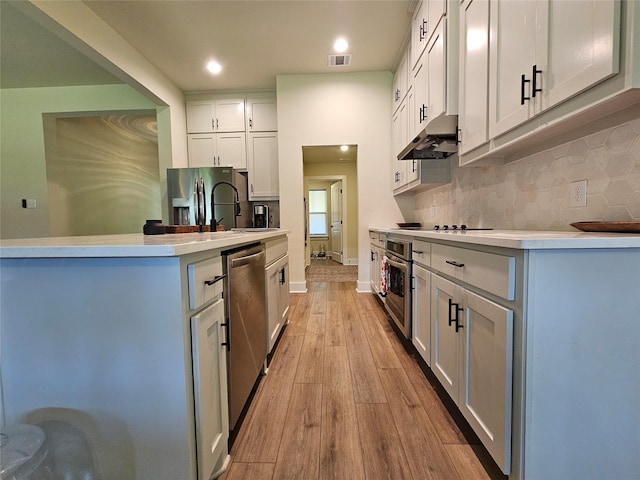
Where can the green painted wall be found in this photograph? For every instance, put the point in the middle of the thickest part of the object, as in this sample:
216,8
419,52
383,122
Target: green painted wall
22,152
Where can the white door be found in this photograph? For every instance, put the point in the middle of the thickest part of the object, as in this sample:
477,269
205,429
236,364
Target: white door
421,337
336,221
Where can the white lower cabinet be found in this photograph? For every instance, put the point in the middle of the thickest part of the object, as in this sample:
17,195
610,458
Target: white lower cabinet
421,315
210,388
472,355
277,281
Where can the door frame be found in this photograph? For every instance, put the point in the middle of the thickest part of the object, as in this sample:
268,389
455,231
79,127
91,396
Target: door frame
328,178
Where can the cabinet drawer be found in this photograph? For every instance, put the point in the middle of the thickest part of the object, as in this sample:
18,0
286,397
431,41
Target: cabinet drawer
491,272
205,281
275,249
421,252
376,239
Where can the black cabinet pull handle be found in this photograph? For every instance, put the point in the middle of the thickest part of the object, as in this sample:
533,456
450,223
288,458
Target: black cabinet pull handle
282,276
534,76
455,264
423,30
227,343
455,319
215,280
523,80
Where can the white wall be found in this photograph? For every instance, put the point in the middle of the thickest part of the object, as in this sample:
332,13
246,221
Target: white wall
333,109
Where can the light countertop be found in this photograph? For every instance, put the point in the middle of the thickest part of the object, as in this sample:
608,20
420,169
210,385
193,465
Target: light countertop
524,239
131,245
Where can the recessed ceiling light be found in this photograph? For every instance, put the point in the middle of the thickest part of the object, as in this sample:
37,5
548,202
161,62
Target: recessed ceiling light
214,67
340,45
344,148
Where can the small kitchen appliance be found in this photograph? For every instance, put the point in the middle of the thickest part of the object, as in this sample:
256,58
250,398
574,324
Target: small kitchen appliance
260,216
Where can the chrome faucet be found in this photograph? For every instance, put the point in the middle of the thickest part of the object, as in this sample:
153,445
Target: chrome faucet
236,203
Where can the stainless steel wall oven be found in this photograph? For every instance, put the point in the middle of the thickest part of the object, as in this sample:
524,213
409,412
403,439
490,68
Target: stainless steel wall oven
398,303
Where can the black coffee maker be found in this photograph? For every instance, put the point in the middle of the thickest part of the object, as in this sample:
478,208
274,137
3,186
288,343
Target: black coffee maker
260,216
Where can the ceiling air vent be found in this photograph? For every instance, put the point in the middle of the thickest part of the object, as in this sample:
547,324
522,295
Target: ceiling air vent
340,60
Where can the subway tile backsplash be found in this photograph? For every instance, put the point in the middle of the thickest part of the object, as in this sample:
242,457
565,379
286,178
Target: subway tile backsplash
533,193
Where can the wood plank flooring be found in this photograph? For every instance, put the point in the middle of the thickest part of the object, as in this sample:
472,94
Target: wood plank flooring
343,399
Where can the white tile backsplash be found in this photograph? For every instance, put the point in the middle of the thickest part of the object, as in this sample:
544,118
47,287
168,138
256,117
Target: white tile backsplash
533,193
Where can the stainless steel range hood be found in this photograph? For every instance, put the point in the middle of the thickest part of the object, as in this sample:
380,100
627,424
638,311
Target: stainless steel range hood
438,140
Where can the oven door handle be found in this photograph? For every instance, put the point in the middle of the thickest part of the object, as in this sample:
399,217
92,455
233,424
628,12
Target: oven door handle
401,266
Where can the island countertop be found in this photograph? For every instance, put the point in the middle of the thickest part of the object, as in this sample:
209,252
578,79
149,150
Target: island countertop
523,239
131,245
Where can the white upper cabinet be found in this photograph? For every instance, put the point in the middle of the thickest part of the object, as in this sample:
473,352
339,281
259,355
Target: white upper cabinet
474,74
217,150
401,82
418,99
261,113
581,47
513,26
215,115
426,17
437,61
262,159
546,51
419,25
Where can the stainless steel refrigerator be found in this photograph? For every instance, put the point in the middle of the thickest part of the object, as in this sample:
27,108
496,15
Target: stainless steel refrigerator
183,204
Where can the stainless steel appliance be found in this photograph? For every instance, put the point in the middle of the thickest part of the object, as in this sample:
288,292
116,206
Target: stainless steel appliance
398,299
246,323
188,191
260,216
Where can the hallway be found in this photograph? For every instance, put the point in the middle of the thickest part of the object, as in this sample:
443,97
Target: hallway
344,400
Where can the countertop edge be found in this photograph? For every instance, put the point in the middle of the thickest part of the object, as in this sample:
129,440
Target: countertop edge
130,245
524,239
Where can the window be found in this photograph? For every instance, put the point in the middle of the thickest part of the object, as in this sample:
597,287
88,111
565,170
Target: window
318,213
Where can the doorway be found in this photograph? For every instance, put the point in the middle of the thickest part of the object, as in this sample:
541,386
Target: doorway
331,203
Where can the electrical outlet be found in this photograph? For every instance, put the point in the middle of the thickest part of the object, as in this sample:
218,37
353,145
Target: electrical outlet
578,194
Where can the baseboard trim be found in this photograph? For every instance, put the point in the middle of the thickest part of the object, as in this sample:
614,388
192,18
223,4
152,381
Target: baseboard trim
363,287
298,287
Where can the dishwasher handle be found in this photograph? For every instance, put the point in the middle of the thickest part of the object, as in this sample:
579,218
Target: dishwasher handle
238,262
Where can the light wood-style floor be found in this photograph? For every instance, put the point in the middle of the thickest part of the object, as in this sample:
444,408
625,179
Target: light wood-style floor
344,400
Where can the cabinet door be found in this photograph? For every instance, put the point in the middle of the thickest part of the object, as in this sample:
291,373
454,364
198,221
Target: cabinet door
398,142
437,92
513,40
579,47
474,69
401,82
437,9
210,388
201,116
230,115
421,337
445,300
202,150
418,111
262,114
485,392
232,150
273,295
283,287
374,275
419,31
263,166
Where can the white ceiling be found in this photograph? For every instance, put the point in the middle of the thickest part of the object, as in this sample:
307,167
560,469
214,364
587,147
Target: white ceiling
253,40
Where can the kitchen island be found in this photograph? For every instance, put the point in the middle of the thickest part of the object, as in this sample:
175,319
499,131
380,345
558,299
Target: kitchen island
535,337
97,334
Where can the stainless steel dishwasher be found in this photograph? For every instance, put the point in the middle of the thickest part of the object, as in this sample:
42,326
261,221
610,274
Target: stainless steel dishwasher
246,323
